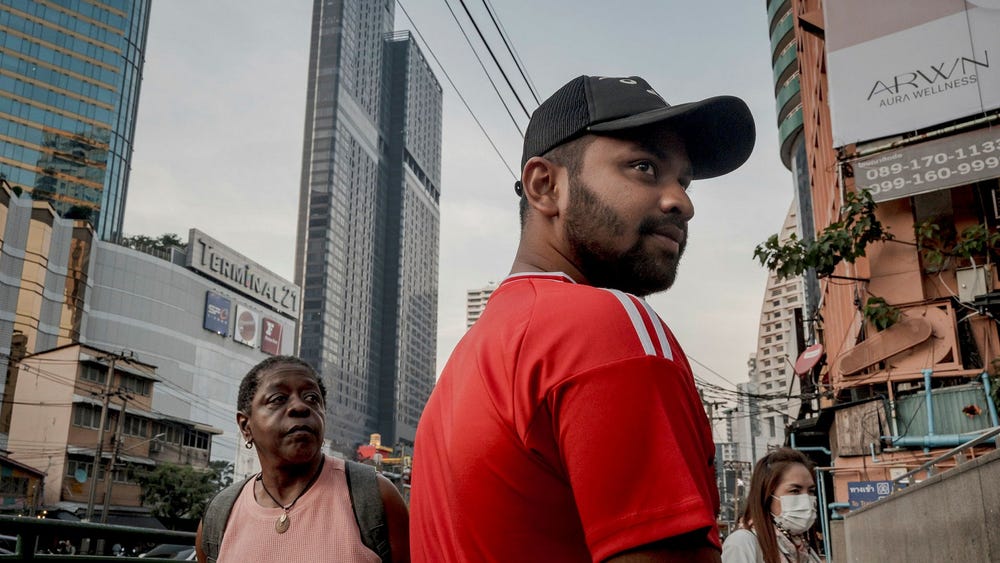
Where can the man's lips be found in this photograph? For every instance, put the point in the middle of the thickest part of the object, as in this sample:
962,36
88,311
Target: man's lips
671,236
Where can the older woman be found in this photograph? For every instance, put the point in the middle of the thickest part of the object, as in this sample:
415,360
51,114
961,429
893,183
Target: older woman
299,507
780,513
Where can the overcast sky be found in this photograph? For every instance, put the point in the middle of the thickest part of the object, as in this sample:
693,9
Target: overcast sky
218,140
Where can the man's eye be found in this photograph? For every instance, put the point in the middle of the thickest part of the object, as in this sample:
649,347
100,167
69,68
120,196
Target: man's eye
276,399
645,167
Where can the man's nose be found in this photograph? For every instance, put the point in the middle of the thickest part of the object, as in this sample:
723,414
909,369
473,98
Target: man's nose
674,199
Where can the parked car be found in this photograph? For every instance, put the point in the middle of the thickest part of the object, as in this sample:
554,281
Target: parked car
172,551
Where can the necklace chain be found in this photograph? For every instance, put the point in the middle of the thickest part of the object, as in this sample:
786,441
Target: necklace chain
260,477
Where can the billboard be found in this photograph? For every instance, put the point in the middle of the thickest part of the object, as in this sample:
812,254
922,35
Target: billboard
218,262
930,166
245,331
900,65
217,310
270,337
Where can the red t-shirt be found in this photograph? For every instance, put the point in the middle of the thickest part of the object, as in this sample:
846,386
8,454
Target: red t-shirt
565,427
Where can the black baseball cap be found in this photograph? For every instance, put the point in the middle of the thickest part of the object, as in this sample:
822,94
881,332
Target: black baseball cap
718,132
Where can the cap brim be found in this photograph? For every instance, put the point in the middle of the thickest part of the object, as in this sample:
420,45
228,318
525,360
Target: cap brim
718,132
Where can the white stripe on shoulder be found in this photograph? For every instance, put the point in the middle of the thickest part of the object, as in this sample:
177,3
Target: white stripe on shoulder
661,335
637,324
540,275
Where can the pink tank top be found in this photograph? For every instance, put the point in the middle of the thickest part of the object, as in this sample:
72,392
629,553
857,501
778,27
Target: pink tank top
322,526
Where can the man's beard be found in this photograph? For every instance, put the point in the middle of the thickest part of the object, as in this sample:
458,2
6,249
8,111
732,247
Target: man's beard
590,227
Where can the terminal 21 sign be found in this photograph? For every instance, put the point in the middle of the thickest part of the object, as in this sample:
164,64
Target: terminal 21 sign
217,261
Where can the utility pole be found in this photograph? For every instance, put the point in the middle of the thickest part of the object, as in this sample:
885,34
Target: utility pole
109,474
100,437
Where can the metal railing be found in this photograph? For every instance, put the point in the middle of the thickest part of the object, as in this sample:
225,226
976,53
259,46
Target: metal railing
956,451
36,535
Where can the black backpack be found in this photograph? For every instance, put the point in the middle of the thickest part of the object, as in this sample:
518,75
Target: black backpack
366,501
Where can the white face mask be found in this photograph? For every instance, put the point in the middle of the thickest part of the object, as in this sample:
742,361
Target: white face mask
798,513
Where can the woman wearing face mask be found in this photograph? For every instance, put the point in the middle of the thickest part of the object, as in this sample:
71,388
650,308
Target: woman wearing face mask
777,524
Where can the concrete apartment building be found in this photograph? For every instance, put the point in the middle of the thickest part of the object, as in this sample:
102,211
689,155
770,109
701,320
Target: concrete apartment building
204,313
770,400
69,92
368,226
773,382
871,115
475,302
56,428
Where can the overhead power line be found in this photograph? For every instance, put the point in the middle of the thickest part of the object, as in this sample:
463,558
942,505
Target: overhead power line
493,56
510,49
468,41
458,92
712,371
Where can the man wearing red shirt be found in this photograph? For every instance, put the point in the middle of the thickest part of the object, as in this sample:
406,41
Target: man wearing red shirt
566,425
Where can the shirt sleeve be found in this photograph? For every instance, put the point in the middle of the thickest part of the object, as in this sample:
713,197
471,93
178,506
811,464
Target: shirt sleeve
740,547
635,443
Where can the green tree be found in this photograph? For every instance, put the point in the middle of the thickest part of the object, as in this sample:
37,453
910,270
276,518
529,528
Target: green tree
79,212
182,491
162,242
844,240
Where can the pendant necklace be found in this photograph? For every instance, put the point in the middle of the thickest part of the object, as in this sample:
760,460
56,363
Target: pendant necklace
283,522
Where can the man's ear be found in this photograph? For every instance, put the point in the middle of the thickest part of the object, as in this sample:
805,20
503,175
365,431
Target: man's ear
539,182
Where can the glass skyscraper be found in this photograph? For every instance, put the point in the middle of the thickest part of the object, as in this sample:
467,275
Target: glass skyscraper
69,90
367,245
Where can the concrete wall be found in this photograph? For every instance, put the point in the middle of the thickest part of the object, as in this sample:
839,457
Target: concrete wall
953,516
838,543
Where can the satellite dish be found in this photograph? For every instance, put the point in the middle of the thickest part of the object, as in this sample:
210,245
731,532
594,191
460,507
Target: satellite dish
80,475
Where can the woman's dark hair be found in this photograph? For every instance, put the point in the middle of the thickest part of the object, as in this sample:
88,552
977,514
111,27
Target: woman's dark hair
767,475
248,387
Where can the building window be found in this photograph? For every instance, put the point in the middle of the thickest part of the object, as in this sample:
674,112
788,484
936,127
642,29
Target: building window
73,465
196,439
123,475
86,416
133,384
771,427
135,426
171,434
93,373
14,487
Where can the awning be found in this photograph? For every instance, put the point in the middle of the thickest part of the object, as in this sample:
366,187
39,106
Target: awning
89,452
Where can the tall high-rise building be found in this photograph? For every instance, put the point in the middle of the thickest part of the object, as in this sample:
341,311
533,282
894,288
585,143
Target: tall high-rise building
69,92
773,384
367,245
475,302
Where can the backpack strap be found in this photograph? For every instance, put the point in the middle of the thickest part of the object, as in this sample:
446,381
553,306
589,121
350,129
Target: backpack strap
213,524
369,512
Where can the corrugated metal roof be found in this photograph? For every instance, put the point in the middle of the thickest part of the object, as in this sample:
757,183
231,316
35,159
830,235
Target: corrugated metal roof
948,404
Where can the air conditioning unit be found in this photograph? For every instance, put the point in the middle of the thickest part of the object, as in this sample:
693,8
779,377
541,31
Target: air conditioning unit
155,446
972,282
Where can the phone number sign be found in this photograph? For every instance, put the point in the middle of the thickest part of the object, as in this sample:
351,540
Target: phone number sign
935,165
